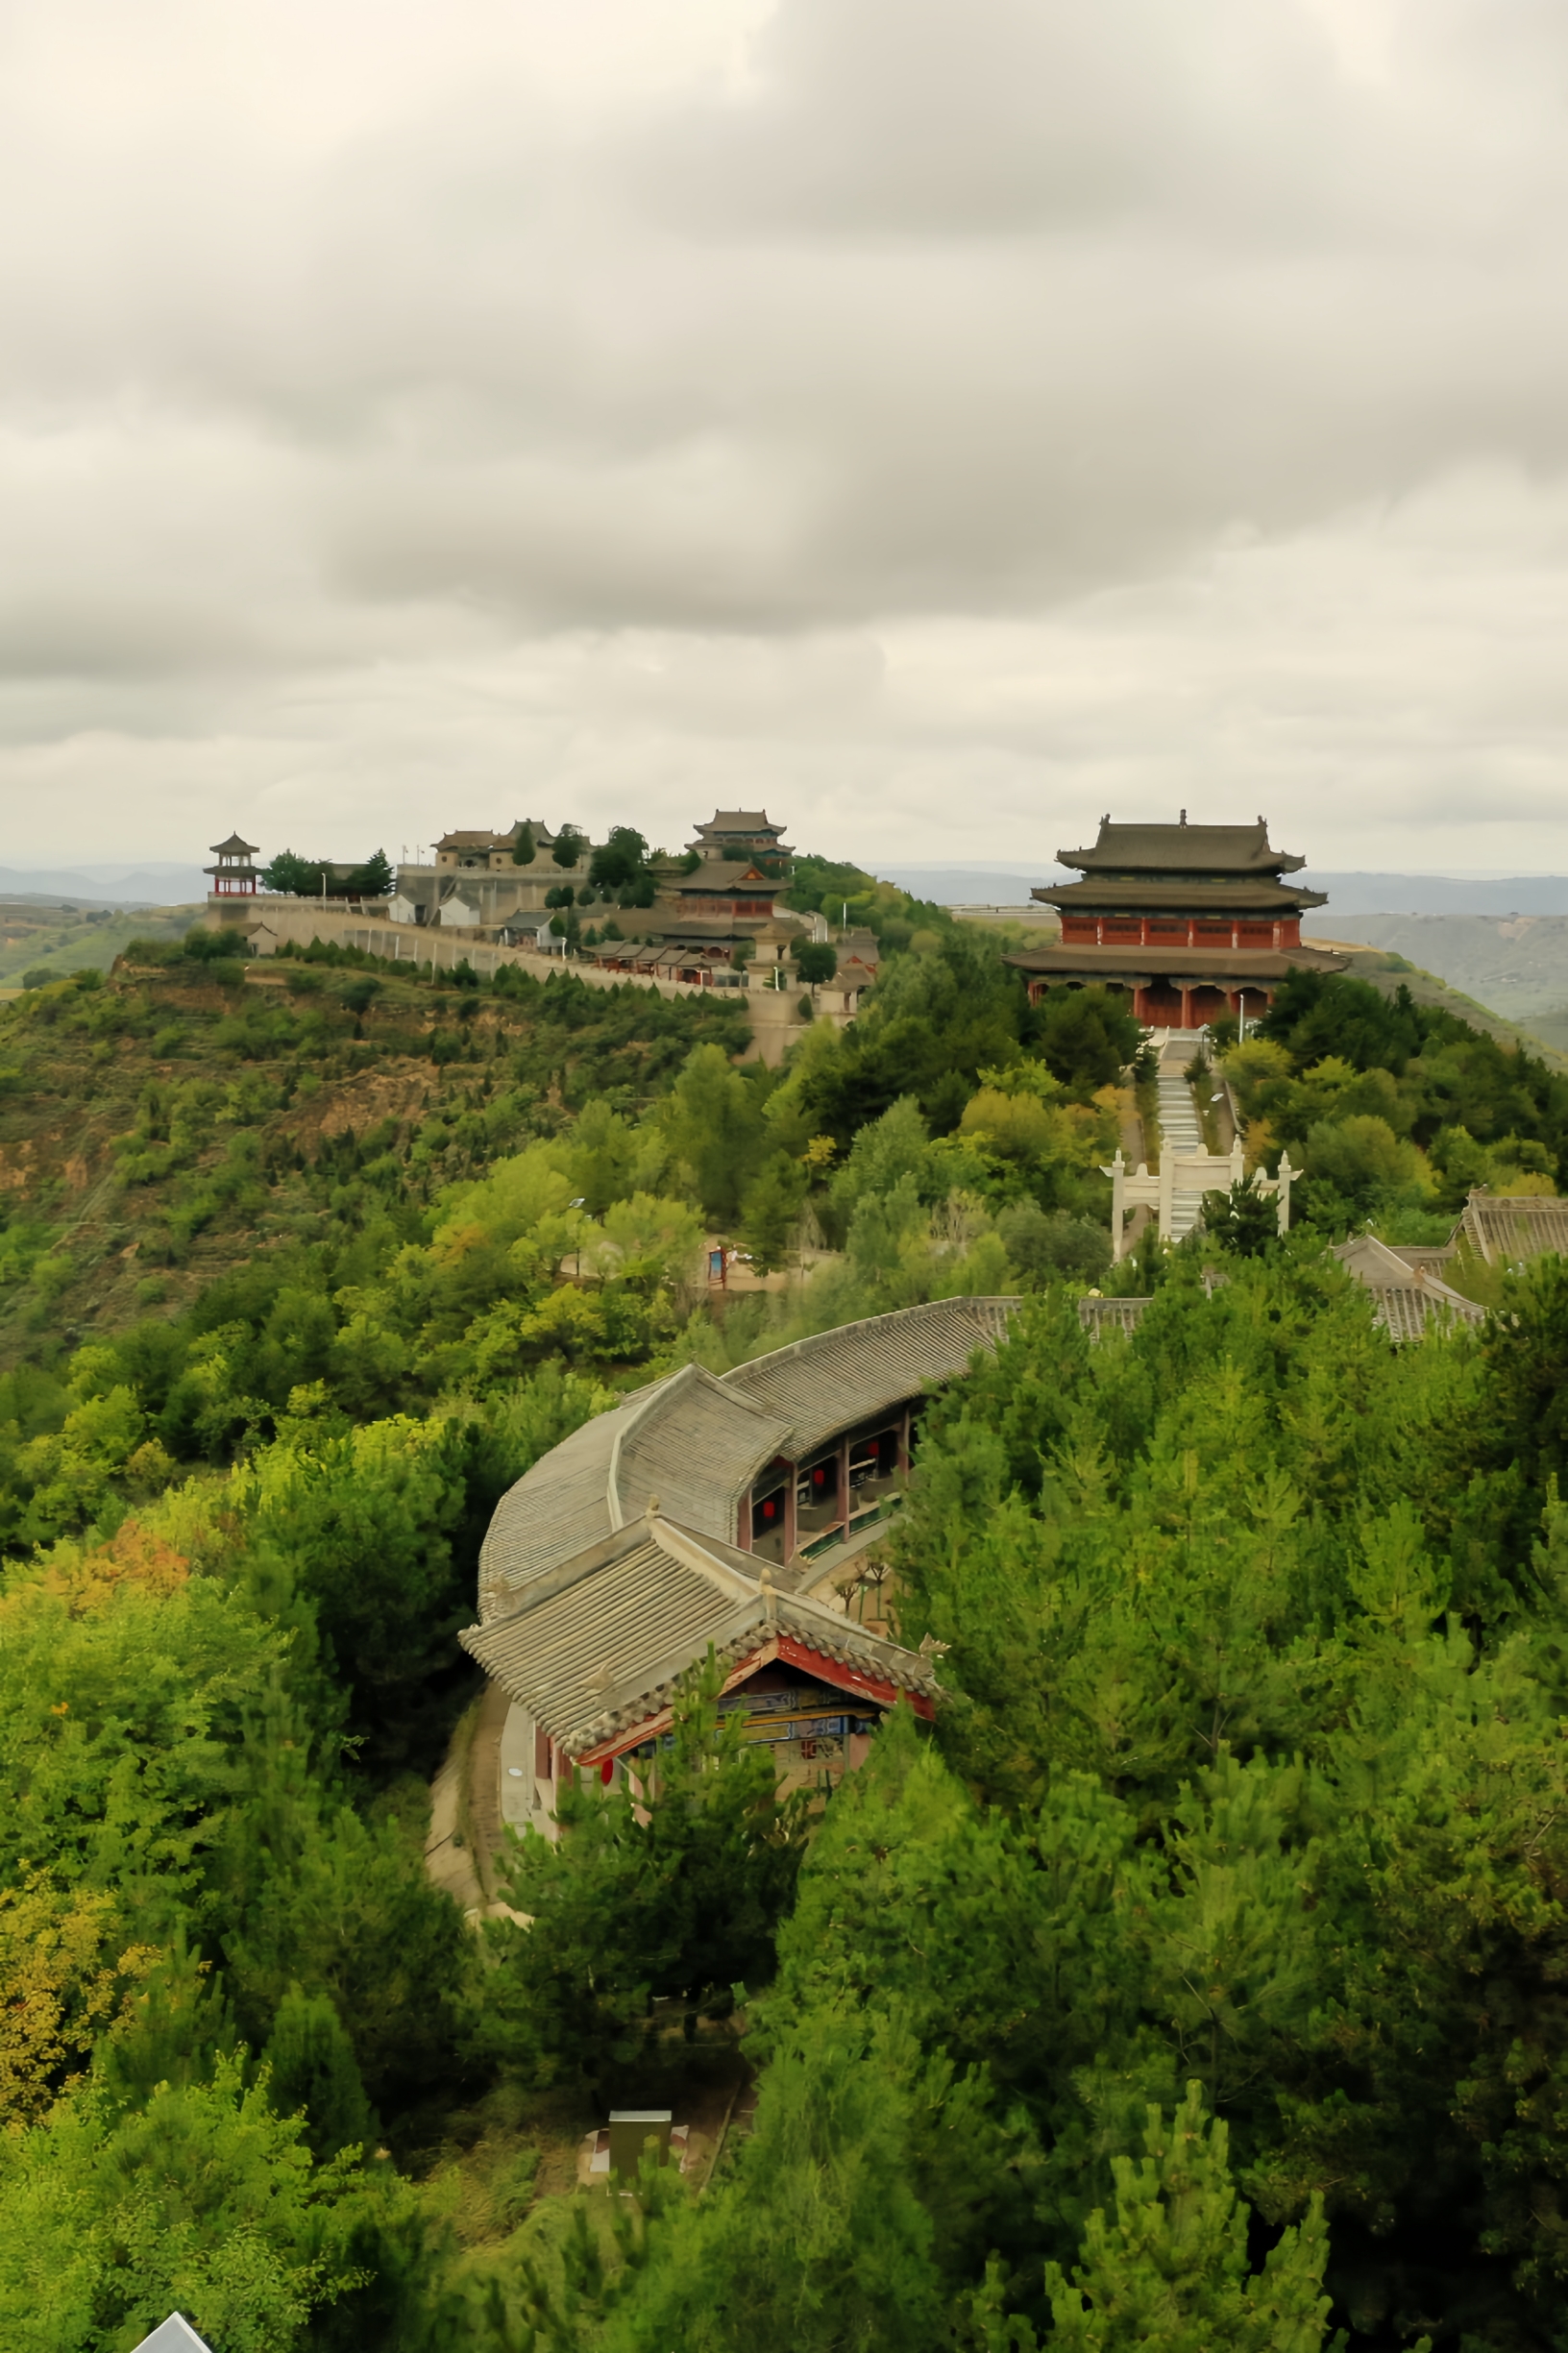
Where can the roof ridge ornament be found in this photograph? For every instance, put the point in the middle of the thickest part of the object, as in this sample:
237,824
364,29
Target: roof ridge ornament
652,1512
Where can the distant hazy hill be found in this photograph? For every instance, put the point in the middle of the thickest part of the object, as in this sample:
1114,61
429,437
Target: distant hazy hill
1438,894
1003,883
1518,967
959,885
124,886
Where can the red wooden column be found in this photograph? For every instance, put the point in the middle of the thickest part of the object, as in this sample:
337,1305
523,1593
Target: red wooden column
844,1483
792,1474
1186,1007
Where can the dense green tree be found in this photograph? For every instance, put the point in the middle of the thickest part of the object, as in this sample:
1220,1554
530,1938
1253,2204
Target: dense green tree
670,1883
372,880
1085,1037
712,1118
770,1209
1172,2268
205,2202
619,861
312,2068
1045,1247
290,873
1243,1221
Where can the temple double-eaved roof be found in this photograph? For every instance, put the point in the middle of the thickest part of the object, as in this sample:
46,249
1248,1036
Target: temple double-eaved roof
740,825
1188,920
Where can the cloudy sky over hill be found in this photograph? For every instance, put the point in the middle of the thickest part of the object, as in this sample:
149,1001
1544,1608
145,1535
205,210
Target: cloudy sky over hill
941,420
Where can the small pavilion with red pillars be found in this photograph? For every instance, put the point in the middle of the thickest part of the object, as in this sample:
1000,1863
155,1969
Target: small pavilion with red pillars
1193,921
234,876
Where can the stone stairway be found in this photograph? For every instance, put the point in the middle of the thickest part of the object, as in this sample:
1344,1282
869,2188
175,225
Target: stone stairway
1179,1132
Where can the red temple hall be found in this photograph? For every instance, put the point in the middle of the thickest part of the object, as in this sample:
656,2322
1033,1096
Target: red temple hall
1194,921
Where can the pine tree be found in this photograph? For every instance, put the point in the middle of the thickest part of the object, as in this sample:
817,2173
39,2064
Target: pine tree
1170,2271
313,2067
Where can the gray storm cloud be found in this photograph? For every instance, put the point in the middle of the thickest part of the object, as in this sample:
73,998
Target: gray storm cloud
940,418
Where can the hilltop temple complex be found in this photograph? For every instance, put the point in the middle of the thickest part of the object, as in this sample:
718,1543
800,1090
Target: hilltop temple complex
1193,921
692,914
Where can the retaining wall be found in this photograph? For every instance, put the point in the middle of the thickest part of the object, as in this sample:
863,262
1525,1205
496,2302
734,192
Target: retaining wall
774,1013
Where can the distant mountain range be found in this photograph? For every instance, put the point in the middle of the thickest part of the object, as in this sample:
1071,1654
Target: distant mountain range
959,882
1002,884
105,886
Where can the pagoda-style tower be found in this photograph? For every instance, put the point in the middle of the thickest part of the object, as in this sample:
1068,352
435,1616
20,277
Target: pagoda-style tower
234,876
729,884
1194,921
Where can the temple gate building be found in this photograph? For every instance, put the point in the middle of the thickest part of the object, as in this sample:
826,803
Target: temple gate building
1193,921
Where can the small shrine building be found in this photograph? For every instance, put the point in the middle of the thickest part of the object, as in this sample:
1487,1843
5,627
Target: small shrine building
1193,921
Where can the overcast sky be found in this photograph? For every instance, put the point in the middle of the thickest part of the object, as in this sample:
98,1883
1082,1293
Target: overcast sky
939,420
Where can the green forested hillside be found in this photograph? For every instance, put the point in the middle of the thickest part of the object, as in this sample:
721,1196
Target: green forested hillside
1205,1962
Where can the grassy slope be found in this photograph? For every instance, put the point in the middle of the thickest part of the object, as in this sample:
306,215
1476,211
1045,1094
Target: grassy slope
1387,971
66,940
79,1072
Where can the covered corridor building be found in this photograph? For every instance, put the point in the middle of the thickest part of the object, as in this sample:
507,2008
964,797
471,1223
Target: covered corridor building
724,1511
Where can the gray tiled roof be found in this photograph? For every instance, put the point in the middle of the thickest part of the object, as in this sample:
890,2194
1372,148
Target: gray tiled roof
684,1438
697,1443
1185,849
1199,966
573,1650
1248,894
175,2335
1504,1227
835,1379
1408,1311
1411,1301
597,1647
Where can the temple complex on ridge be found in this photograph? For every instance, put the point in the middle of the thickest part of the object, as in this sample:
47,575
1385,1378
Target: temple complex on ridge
1194,921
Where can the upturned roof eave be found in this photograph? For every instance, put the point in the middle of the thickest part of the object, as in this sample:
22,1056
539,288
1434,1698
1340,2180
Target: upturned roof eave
758,1614
1179,893
1172,961
1241,850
